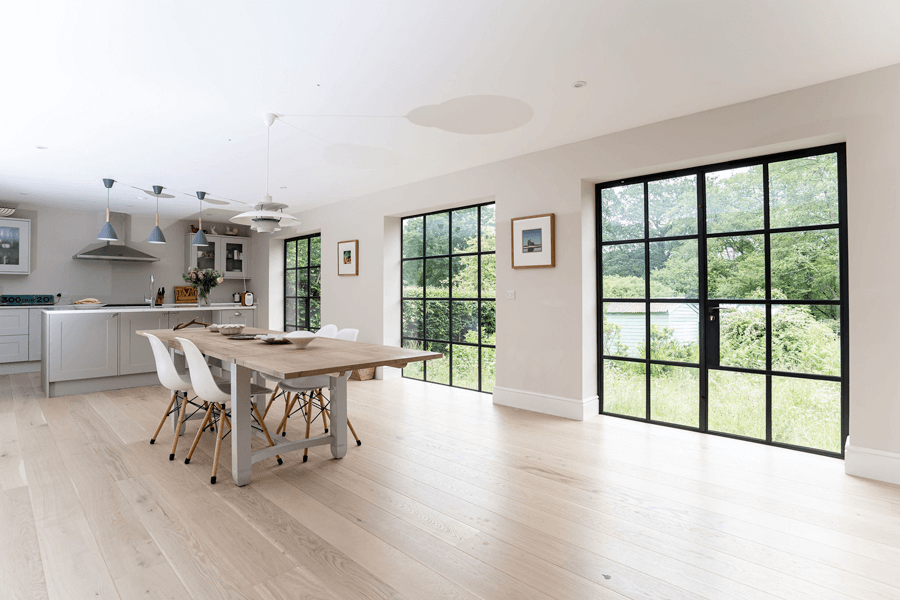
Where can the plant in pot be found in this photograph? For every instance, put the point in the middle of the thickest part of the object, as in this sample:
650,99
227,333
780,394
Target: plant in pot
203,280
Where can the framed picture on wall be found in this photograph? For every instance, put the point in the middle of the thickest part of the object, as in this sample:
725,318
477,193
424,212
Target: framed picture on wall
348,259
15,246
533,243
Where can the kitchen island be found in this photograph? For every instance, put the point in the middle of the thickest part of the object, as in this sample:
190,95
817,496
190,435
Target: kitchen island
97,349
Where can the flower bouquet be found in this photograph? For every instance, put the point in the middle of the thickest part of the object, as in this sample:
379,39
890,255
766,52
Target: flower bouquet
203,280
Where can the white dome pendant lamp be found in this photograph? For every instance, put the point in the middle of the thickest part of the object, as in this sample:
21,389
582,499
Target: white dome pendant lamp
156,235
107,233
267,216
200,237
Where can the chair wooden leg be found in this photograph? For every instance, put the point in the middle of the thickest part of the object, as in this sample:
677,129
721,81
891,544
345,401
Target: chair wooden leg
288,407
178,427
163,420
308,423
262,424
322,404
353,431
220,428
206,417
272,401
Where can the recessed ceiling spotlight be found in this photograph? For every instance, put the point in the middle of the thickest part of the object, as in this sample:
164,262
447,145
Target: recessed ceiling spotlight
284,187
579,84
41,147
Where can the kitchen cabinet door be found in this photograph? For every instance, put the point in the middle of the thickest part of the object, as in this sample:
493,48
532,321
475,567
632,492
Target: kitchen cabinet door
185,316
203,257
240,316
14,321
235,257
13,348
135,355
83,346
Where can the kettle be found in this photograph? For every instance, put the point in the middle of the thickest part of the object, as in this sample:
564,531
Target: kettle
236,297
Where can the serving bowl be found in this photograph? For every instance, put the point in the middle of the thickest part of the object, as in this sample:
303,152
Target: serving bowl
212,328
231,329
301,339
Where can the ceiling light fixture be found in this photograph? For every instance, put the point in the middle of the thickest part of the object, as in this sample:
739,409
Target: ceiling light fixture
156,235
267,216
579,84
41,147
108,234
200,237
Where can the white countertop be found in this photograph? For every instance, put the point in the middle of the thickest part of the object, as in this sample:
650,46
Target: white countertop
164,308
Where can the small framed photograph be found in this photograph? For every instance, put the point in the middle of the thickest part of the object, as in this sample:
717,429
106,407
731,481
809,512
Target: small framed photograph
15,246
533,243
348,258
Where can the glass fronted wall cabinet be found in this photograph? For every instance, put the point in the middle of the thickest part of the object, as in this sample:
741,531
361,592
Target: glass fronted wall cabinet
229,255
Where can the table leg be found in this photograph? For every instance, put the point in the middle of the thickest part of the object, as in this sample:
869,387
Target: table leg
178,359
241,452
338,395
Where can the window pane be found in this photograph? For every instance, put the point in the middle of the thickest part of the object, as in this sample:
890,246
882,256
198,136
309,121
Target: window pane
290,311
465,321
806,339
437,319
488,374
624,328
290,255
742,336
488,233
803,191
674,269
465,366
413,279
674,332
302,285
439,370
290,283
737,403
625,388
488,275
412,237
315,283
301,312
623,271
806,412
303,253
675,395
622,212
415,370
315,251
437,234
672,205
734,200
805,265
413,312
465,276
736,267
437,278
465,230
488,323
315,314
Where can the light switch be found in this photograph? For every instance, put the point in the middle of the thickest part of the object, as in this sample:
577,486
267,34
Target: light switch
510,294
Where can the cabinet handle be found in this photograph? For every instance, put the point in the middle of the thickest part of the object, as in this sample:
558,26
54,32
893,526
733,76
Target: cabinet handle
237,314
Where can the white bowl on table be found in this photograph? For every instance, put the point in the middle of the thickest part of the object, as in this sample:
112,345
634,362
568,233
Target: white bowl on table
231,329
301,339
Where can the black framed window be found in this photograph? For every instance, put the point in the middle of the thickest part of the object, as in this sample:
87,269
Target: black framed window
723,299
302,283
448,302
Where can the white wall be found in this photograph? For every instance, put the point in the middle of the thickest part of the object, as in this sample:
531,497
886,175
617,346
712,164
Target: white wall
58,234
558,307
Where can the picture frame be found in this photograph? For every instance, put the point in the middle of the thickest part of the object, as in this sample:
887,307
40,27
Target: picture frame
348,258
15,246
533,242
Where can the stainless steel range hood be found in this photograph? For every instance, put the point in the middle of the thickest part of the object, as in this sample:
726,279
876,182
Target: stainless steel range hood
117,251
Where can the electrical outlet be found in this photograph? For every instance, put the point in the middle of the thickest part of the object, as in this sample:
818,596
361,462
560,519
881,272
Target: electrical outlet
510,294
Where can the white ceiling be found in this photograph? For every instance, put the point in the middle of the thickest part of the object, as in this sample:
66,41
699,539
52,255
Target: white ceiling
171,92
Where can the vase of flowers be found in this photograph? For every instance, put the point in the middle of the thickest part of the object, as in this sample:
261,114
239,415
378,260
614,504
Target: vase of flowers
203,280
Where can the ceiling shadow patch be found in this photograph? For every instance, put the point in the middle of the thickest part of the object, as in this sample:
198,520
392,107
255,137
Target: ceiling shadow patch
474,115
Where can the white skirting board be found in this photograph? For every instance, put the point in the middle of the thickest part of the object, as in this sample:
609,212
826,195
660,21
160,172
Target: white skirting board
872,464
570,408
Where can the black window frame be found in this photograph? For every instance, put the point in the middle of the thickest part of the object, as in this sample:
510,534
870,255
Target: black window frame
307,324
704,302
424,340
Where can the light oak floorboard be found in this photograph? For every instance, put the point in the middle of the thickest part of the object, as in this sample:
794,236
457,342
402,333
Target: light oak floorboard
21,569
73,564
158,582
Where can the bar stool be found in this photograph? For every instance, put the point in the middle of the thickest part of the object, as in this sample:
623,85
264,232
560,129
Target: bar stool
216,396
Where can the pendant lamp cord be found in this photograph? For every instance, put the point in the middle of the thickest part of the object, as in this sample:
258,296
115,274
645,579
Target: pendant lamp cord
268,131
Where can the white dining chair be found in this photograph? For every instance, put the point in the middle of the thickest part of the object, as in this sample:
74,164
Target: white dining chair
176,383
217,395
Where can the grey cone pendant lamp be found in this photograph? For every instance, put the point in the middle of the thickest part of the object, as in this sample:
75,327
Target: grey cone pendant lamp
107,233
156,236
200,237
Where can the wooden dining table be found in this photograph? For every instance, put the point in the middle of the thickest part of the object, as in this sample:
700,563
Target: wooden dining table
324,356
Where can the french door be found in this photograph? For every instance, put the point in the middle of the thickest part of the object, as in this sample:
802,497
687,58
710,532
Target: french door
723,293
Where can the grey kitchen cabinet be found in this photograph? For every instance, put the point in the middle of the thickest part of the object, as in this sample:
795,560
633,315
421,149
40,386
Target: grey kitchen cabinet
185,316
13,348
229,255
237,316
135,355
34,334
14,321
83,346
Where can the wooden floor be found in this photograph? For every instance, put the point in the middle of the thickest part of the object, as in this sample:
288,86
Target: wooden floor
448,497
